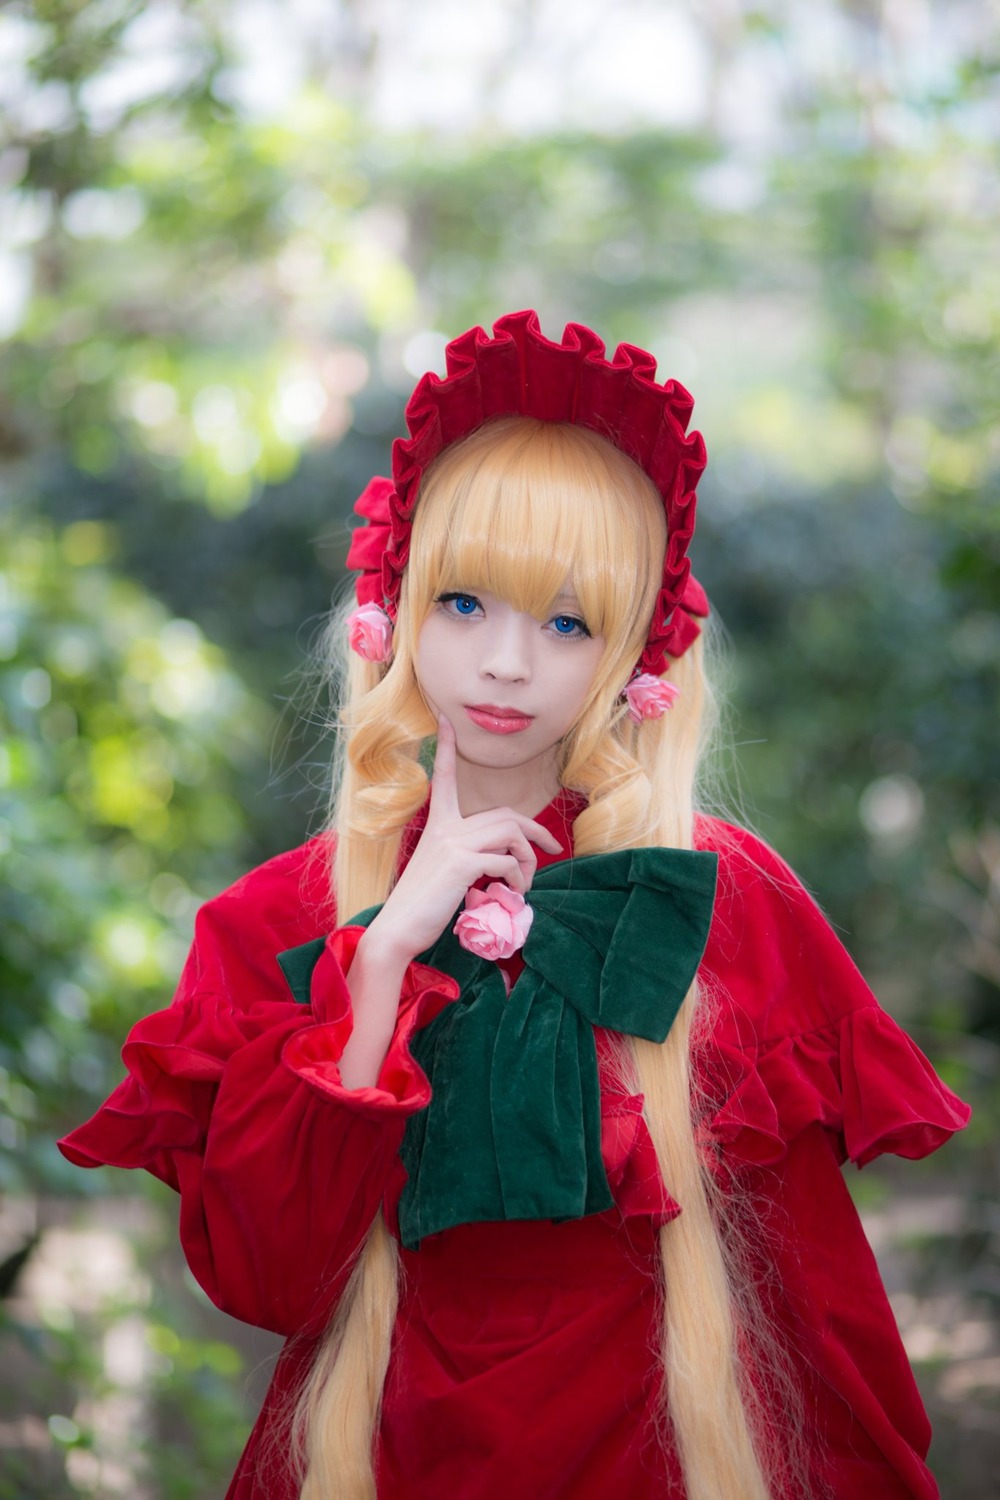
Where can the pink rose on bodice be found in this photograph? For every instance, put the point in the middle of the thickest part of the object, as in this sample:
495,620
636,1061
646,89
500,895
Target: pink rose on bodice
369,632
649,697
495,922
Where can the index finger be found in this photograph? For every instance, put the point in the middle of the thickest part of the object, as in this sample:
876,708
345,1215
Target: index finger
444,780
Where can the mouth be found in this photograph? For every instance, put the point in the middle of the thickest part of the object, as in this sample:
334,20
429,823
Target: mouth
497,720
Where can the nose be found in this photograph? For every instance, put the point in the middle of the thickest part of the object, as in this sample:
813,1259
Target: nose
507,648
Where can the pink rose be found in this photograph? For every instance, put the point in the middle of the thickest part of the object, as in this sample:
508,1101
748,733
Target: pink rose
495,922
369,632
649,697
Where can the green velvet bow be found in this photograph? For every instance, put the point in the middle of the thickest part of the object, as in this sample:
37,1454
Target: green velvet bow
513,1129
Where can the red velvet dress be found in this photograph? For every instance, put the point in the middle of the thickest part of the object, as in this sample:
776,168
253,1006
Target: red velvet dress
522,1360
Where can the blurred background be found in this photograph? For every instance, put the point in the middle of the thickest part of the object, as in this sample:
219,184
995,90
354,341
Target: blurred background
232,234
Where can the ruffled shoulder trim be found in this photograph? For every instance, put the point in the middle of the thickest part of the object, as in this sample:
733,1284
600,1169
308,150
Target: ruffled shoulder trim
797,1037
861,1078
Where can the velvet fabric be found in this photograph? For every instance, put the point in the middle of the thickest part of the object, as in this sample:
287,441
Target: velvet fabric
522,1361
515,1131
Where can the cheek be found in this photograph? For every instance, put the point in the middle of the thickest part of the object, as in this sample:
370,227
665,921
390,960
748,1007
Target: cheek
424,661
578,682
437,656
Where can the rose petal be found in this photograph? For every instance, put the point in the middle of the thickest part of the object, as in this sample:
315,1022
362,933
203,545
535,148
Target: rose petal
369,632
649,697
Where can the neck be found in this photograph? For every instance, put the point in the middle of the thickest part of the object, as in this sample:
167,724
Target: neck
524,789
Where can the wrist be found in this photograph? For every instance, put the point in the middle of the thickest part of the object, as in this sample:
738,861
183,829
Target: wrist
381,948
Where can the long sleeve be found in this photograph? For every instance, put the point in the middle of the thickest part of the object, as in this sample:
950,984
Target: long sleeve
233,1097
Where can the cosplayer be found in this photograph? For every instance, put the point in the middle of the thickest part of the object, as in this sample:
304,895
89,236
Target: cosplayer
535,1159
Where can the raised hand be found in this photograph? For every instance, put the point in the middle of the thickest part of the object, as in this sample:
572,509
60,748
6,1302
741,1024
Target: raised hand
453,853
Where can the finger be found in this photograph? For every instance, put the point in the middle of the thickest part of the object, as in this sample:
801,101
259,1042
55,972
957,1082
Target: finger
527,863
506,868
535,832
444,781
541,837
510,842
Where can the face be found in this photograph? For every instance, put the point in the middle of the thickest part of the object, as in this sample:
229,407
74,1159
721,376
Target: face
512,686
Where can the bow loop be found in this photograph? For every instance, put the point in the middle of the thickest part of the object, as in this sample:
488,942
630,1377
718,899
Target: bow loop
620,936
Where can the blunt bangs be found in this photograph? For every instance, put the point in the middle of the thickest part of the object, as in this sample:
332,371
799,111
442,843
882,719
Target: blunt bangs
522,506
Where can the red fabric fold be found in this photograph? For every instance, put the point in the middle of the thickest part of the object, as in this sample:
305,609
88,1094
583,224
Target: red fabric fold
175,1059
631,1164
861,1078
893,1099
798,1039
314,1053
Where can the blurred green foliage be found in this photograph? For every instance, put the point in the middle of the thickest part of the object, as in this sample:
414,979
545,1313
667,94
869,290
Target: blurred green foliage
213,308
125,739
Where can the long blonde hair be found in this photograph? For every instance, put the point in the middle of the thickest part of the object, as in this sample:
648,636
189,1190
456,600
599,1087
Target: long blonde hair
514,510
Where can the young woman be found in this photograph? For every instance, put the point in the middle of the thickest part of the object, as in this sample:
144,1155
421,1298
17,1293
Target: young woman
536,1159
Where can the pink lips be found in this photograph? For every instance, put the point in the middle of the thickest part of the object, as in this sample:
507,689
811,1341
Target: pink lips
498,720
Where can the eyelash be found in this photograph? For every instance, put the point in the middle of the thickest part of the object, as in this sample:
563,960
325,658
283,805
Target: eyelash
578,632
453,597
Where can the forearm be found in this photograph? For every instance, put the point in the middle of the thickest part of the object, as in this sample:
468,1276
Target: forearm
375,980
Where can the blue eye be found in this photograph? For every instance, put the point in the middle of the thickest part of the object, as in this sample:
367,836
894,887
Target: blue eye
569,625
459,604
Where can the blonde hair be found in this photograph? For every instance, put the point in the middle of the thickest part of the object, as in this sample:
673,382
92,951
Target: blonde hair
515,510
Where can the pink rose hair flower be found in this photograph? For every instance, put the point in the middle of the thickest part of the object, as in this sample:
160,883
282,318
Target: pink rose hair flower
369,632
649,697
495,922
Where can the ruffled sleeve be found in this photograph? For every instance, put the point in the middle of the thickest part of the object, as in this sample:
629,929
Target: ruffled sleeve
313,1053
799,1038
234,1098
